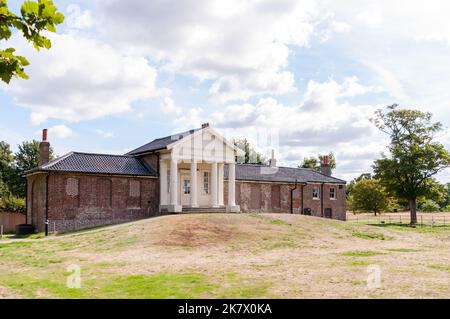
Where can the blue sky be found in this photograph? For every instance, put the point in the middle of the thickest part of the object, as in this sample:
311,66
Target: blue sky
309,72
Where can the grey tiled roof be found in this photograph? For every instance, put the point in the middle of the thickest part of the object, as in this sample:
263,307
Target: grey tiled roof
161,143
251,172
98,164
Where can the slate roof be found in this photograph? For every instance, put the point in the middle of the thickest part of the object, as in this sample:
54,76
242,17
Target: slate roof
250,172
161,143
98,164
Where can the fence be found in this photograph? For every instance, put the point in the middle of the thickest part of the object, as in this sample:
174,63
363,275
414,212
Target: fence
422,219
10,220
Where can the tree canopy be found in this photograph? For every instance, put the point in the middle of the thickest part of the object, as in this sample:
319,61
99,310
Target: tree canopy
414,155
11,175
251,156
369,195
316,162
35,18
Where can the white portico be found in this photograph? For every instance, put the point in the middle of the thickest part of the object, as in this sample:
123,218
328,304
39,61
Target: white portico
192,172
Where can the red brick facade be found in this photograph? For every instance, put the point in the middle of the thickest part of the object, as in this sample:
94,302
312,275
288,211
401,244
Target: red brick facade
81,201
263,197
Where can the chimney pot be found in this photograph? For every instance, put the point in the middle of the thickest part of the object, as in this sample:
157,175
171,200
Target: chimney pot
44,135
205,125
325,167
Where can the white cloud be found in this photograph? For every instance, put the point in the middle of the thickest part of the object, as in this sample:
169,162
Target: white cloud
371,17
324,121
77,18
60,132
81,79
168,106
242,46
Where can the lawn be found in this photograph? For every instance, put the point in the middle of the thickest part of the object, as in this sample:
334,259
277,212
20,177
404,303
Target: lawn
230,256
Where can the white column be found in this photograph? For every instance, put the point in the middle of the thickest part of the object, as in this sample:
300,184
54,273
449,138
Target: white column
220,184
194,201
231,184
173,182
163,183
214,184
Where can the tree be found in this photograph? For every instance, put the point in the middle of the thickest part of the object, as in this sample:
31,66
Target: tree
6,160
26,158
35,18
414,155
251,156
369,195
316,162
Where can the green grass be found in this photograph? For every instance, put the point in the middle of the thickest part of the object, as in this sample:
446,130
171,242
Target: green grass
163,285
361,253
438,229
404,250
96,284
441,267
358,263
370,236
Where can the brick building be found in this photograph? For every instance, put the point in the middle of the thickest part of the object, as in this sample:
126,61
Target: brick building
80,190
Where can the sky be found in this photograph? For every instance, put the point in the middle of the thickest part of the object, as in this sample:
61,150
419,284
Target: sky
301,76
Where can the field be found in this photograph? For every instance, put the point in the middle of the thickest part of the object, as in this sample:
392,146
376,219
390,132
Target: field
400,218
231,256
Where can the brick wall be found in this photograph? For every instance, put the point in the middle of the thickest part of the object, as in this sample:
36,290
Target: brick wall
276,198
36,196
80,201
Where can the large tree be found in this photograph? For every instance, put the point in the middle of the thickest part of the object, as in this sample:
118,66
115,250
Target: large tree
36,17
26,158
414,155
316,162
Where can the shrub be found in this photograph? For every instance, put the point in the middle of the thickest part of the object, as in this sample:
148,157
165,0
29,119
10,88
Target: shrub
429,206
12,204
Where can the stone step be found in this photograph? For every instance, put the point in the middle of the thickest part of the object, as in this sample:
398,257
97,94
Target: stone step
204,210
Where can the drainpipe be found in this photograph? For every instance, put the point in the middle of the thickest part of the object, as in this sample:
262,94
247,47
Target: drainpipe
292,197
46,204
302,189
321,198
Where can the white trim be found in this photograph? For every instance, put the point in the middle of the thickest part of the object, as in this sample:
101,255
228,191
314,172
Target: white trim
201,131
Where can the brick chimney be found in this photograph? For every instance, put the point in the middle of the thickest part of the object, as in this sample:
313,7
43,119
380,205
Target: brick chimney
44,149
273,161
325,165
205,125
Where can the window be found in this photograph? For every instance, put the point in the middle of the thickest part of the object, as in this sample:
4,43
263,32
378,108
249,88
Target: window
72,187
186,186
332,193
135,189
316,193
206,183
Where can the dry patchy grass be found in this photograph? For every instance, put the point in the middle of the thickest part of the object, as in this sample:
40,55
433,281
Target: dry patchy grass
230,256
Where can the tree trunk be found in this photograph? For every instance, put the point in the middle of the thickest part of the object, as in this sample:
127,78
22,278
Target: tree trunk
413,210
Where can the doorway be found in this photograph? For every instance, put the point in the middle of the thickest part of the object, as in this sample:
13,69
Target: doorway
185,191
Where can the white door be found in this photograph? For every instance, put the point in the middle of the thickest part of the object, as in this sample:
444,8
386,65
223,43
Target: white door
185,190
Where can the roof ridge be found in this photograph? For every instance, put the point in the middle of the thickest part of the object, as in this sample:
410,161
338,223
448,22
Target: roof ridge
56,160
103,154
